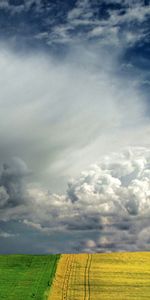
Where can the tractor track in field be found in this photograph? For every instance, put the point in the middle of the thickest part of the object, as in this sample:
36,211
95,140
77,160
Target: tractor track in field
66,282
89,266
67,277
74,274
87,291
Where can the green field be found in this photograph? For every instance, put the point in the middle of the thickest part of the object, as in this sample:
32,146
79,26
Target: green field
26,277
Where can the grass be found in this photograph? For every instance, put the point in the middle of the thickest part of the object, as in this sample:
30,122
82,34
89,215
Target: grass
121,276
26,277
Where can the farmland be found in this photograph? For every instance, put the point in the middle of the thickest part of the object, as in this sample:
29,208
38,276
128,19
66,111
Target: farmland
122,276
116,276
26,277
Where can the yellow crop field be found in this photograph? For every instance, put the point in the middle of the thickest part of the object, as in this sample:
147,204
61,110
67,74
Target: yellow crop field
118,276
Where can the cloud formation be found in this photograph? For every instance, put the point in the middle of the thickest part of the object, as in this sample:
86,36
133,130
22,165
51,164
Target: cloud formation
61,112
56,116
111,199
112,23
116,23
12,191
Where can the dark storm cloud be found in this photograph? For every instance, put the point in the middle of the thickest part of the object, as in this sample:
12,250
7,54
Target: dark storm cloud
14,199
12,192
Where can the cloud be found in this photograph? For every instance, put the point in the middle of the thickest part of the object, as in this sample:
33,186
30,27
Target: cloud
13,5
55,114
14,198
116,23
58,117
37,226
59,114
6,235
112,23
12,191
111,199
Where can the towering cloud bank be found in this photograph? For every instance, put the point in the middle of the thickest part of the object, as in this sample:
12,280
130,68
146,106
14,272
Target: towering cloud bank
111,199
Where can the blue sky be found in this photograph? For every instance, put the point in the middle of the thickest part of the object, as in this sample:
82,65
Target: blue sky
74,151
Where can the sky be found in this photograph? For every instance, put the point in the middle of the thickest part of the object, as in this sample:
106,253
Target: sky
74,126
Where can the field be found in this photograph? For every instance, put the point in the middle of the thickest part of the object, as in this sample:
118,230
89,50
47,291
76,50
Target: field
26,277
117,276
122,276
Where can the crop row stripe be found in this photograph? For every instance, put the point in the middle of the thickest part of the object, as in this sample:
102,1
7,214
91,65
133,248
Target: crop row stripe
70,260
89,286
87,295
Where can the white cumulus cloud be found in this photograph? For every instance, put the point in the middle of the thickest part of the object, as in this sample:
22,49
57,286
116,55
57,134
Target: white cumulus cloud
112,198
